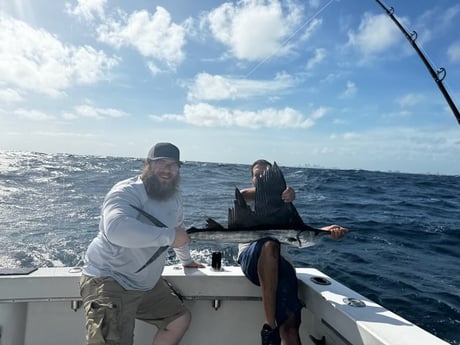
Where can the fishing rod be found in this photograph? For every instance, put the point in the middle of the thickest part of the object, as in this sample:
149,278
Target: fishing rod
438,75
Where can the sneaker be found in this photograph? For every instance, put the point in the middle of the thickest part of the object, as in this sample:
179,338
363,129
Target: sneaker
270,336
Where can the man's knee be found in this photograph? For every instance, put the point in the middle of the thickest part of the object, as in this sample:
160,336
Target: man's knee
182,323
271,247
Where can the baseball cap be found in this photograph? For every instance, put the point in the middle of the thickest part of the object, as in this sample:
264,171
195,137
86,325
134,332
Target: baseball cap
164,150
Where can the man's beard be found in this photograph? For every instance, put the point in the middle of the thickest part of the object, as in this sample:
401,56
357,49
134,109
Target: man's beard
157,189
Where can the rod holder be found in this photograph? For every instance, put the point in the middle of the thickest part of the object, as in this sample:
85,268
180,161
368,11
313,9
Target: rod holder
75,304
216,304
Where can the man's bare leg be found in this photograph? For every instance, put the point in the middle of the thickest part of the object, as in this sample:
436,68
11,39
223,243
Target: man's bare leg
289,331
268,277
173,332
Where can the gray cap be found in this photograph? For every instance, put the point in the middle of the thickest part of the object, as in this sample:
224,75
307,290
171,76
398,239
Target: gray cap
164,150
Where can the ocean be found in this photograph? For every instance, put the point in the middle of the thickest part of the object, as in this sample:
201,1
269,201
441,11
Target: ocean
402,250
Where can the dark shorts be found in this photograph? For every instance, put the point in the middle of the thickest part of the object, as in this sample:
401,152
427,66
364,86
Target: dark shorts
287,301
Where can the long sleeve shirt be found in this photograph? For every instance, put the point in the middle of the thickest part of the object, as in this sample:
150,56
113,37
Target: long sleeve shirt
127,240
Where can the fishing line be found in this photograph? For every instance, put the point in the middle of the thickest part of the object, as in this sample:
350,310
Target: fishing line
289,38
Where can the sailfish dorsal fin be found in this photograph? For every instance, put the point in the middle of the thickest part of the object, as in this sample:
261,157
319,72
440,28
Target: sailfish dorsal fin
269,187
270,211
240,215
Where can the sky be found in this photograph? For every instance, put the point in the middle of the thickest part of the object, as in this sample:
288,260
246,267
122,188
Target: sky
316,83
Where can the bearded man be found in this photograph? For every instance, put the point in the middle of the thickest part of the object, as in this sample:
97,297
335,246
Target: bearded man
121,278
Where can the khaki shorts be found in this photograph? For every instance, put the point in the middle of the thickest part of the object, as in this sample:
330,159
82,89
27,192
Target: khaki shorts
111,310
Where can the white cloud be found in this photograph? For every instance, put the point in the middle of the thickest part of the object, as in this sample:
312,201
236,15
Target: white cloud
10,96
90,111
313,25
351,136
452,12
154,36
453,52
32,115
206,115
216,87
376,33
410,100
89,64
87,9
443,16
320,54
255,29
64,134
338,121
153,68
314,3
35,60
350,90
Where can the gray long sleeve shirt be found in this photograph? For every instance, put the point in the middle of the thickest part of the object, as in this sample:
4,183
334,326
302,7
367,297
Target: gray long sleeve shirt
127,240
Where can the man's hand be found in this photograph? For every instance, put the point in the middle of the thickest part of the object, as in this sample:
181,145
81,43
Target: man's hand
336,231
181,239
194,264
249,194
288,195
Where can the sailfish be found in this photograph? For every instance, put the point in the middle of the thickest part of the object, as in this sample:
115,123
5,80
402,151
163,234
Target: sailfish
271,217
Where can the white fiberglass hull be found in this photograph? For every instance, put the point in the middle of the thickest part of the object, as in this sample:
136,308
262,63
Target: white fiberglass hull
43,308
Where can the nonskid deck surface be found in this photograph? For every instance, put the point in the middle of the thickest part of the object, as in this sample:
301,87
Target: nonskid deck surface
44,308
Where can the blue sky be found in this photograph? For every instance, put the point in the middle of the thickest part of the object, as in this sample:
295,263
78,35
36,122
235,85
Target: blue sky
305,83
